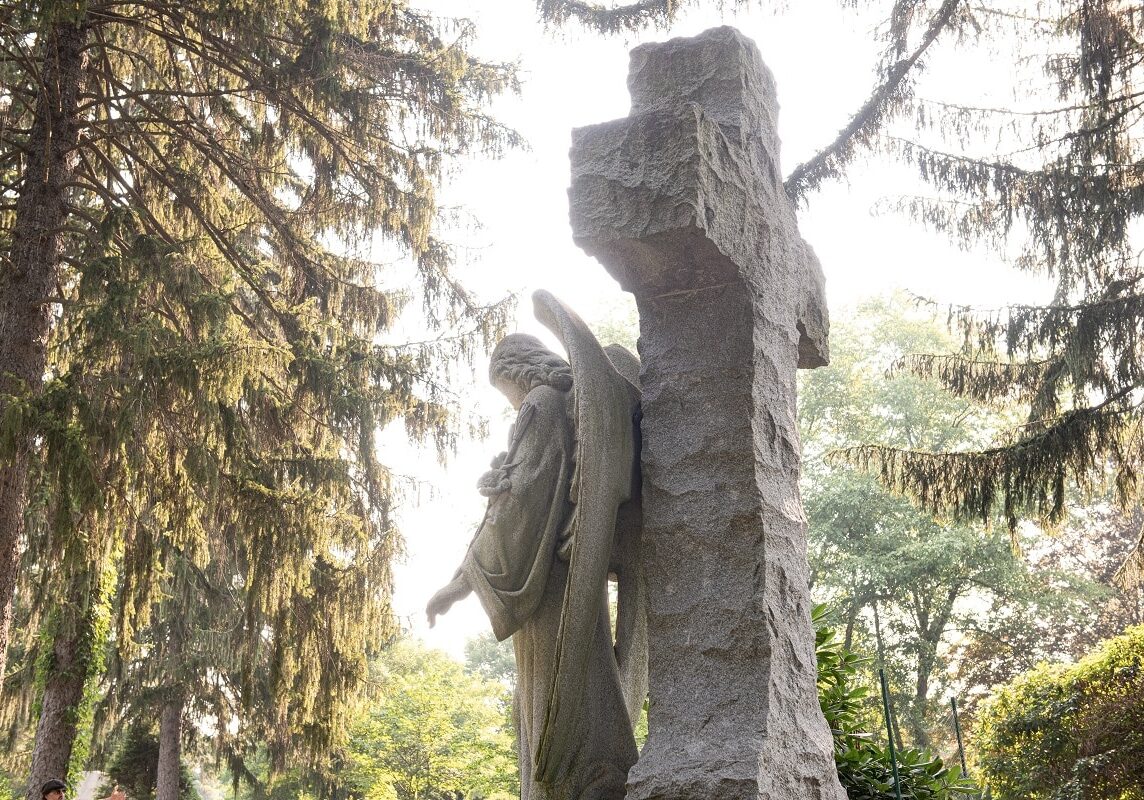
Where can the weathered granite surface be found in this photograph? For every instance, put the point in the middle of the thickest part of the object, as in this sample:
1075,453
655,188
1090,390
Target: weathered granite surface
683,203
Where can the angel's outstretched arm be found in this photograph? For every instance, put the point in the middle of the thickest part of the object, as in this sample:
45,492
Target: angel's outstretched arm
456,589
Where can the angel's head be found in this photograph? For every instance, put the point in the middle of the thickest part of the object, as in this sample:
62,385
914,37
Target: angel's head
520,363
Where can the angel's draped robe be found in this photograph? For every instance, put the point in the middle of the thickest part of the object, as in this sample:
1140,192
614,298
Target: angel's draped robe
517,565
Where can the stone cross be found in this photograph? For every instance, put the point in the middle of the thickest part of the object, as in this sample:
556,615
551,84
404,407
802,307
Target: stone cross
683,202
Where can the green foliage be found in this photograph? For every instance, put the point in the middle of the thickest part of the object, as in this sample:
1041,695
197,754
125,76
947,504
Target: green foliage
220,361
135,767
11,786
1064,732
434,730
864,766
490,659
875,553
1049,185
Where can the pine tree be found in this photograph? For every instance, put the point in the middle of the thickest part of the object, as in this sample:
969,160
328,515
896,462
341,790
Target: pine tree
1062,200
191,371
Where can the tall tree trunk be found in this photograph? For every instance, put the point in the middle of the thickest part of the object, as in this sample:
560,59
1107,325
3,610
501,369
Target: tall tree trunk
881,647
30,273
851,621
171,725
60,706
170,749
930,635
921,687
79,630
882,663
921,696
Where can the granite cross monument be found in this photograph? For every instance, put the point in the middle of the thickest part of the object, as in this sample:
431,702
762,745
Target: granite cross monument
683,202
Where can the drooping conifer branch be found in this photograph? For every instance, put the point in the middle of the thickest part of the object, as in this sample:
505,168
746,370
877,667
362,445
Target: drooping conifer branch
1064,179
984,381
1077,215
1027,476
1078,347
886,98
611,18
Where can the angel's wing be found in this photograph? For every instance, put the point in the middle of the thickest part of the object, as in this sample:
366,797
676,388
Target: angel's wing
627,564
605,403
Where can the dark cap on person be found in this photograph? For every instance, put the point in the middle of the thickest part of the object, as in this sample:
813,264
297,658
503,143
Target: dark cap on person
52,786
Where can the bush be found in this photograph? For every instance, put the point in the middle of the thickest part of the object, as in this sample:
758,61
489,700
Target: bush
1069,732
864,766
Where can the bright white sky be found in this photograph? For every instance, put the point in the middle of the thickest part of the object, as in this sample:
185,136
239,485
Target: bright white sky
823,62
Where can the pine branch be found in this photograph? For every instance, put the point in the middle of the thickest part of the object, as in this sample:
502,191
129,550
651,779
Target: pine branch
830,161
985,381
1027,475
610,19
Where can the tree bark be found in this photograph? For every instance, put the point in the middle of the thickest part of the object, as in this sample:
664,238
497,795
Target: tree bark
930,635
59,710
882,663
921,698
170,749
28,276
851,621
171,728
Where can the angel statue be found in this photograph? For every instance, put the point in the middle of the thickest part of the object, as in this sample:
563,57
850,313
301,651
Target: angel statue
562,518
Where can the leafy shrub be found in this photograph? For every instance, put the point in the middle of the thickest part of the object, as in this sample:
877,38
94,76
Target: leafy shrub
864,766
1069,732
435,731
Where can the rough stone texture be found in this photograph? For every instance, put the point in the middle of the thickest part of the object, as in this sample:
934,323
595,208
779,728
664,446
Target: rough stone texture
683,203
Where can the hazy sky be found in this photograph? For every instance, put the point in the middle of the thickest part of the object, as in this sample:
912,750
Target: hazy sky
823,62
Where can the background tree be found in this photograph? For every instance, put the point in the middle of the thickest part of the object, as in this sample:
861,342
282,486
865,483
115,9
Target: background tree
135,768
1081,562
913,589
487,657
192,375
436,731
